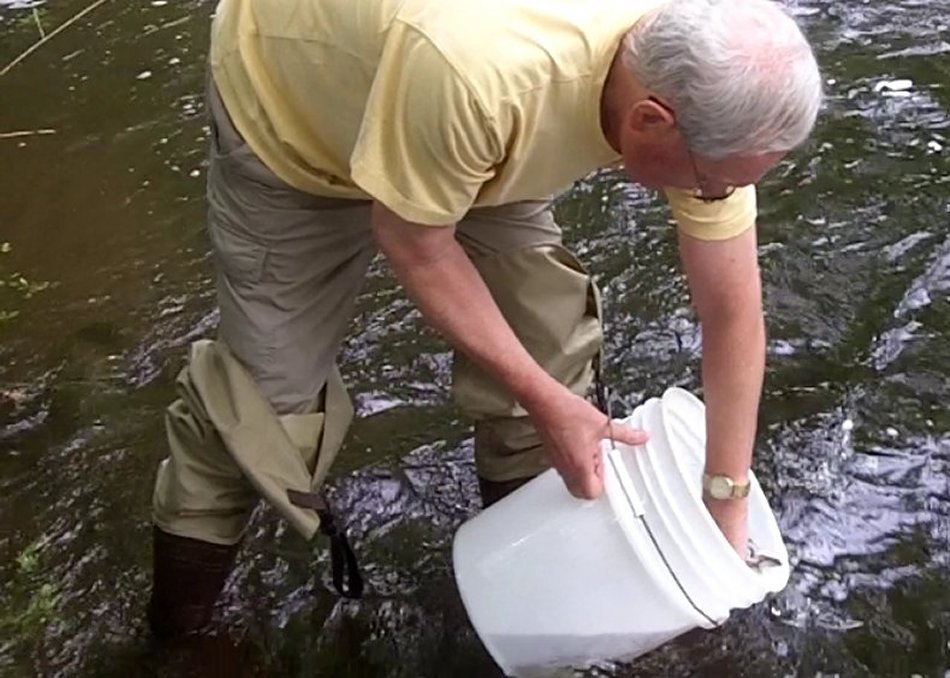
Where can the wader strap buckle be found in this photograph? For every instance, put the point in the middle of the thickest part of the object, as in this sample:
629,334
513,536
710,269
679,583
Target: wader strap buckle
347,579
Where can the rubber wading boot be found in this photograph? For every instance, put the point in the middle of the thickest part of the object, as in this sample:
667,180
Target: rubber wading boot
189,574
493,491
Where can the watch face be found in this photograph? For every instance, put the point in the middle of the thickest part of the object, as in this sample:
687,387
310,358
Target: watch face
720,487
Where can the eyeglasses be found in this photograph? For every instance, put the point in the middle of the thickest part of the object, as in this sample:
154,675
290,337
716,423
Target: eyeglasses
705,191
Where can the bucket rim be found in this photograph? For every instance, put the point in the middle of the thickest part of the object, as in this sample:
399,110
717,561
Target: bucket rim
758,504
629,510
757,584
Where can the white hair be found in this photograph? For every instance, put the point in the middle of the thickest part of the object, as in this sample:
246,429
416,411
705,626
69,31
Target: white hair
739,75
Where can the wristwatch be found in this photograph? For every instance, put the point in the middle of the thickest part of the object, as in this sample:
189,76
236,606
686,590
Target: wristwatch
720,486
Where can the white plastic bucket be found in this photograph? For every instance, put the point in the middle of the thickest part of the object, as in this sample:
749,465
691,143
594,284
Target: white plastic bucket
552,581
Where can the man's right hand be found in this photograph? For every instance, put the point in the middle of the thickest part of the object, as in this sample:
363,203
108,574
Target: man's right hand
571,431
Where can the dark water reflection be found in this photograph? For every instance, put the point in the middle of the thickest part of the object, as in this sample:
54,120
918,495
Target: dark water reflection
855,432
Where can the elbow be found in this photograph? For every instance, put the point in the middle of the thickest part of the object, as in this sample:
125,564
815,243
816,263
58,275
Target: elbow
405,243
382,225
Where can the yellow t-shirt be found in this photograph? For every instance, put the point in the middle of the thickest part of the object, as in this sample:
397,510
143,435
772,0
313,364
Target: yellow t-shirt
433,106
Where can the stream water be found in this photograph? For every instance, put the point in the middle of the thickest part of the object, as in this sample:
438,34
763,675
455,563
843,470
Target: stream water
106,279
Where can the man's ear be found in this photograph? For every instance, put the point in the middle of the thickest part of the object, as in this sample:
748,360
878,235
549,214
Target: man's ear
649,117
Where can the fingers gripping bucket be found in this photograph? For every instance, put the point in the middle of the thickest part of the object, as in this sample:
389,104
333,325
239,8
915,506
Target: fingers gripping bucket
551,581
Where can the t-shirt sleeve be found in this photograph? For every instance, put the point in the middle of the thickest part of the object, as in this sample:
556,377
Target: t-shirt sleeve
715,220
425,146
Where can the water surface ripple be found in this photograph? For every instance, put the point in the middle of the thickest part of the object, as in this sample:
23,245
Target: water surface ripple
854,443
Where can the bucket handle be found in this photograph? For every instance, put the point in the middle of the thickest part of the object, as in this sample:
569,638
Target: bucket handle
613,454
633,499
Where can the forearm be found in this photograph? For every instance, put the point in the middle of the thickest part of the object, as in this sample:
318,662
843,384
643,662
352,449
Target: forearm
732,372
453,299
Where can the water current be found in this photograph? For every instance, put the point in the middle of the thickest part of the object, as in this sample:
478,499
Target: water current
106,279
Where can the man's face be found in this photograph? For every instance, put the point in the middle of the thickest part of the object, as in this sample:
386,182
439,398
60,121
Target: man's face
658,165
655,155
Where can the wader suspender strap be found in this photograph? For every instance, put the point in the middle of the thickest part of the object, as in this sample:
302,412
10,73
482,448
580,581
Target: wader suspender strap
347,579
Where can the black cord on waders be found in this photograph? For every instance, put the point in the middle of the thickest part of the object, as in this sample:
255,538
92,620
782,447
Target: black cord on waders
347,579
